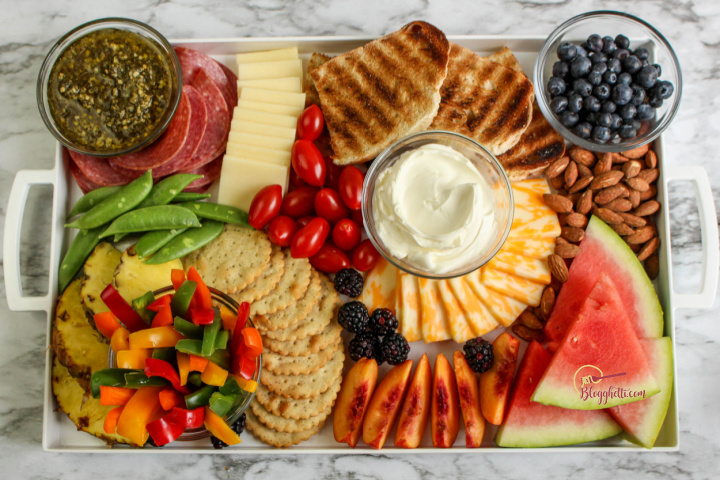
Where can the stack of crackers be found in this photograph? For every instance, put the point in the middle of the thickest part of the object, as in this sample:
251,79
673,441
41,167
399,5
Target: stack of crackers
293,306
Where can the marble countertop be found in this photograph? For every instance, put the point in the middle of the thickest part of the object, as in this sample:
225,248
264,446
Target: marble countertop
28,30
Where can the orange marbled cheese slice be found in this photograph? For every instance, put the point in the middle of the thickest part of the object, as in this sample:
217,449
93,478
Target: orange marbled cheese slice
521,289
478,316
380,286
435,325
533,269
459,325
407,307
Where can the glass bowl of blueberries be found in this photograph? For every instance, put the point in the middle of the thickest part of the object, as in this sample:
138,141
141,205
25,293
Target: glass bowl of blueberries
608,81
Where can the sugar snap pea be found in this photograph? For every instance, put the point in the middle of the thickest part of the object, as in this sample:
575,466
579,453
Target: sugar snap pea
92,198
80,248
187,242
221,213
151,242
160,217
189,197
125,199
165,190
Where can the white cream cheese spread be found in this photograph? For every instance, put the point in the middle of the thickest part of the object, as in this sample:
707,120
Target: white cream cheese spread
433,209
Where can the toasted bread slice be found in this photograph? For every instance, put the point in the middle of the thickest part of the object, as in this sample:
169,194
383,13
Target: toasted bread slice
312,97
382,91
484,101
506,58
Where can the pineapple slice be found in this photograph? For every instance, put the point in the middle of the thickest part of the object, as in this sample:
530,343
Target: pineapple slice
133,278
98,270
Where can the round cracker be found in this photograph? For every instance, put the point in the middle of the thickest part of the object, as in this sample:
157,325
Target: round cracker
298,409
294,313
284,365
233,260
306,386
292,286
307,345
268,279
280,424
277,439
315,322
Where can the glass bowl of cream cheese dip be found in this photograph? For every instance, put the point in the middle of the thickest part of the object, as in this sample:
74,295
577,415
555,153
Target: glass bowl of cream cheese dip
437,204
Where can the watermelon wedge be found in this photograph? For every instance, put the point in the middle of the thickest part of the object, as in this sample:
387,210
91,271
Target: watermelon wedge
603,251
599,343
643,420
530,424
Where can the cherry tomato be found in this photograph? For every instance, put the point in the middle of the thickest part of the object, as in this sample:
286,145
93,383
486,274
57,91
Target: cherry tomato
310,124
308,163
308,240
295,179
330,259
302,221
332,176
329,205
265,206
351,186
346,234
299,203
357,217
281,230
365,256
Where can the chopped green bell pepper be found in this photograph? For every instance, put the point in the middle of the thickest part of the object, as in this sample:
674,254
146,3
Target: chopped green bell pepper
181,299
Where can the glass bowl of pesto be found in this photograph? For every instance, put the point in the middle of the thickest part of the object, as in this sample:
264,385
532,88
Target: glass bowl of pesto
109,87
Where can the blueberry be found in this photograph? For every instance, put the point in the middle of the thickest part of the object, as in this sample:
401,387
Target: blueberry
608,45
575,102
602,91
591,104
658,68
594,78
582,130
627,131
566,51
569,119
600,67
645,63
642,53
635,123
608,107
647,77
638,97
580,67
645,112
655,102
601,134
560,69
621,94
556,86
604,120
614,65
610,77
582,50
627,112
632,64
582,86
664,89
624,79
622,41
595,42
616,121
621,54
597,57
558,104
591,117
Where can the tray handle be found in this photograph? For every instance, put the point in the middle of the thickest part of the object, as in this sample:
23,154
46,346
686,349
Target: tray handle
24,180
709,235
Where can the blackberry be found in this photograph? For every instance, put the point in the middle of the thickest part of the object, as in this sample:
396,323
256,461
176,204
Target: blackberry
353,317
349,281
217,443
395,349
151,441
365,345
383,321
479,354
237,427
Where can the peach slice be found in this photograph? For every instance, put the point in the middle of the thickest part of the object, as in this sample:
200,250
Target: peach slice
385,405
355,393
495,383
445,407
416,407
469,395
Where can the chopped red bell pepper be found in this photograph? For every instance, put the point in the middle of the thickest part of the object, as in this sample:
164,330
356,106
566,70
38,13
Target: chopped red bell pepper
187,418
111,419
164,318
154,367
245,367
159,303
170,398
243,314
201,316
252,341
202,296
163,432
121,309
177,277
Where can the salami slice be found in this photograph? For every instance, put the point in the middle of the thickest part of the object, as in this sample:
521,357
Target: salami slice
232,78
99,172
216,133
191,61
83,182
210,172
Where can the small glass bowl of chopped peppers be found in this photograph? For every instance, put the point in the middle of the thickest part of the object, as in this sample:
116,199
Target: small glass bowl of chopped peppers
185,362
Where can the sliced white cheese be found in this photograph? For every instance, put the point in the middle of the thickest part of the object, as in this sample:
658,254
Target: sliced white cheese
265,141
273,119
273,96
242,178
285,84
276,108
278,157
289,53
259,70
242,126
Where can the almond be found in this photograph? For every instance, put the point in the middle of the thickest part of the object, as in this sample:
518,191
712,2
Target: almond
558,182
584,203
617,158
527,334
584,171
575,219
581,184
567,250
619,205
631,168
635,247
562,219
642,235
633,220
531,321
622,229
637,152
638,184
573,197
649,174
609,194
608,216
558,203
604,164
572,234
635,198
650,159
547,302
649,248
571,175
558,269
650,194
647,208
607,179
652,266
580,155
557,167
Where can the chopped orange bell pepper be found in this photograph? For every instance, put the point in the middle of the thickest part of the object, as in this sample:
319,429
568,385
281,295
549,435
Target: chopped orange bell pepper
157,337
115,396
183,363
177,277
197,363
133,358
120,339
163,318
214,374
106,323
170,398
229,319
252,341
111,420
202,296
143,408
217,426
247,385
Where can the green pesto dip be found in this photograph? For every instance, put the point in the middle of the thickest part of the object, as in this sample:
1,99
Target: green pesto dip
109,90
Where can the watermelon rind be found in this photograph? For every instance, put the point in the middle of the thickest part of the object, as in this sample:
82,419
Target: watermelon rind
643,420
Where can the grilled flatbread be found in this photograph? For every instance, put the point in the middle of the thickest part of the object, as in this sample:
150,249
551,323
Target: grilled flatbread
382,91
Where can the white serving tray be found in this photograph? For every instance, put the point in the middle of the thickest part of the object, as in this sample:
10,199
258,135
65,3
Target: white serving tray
59,434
